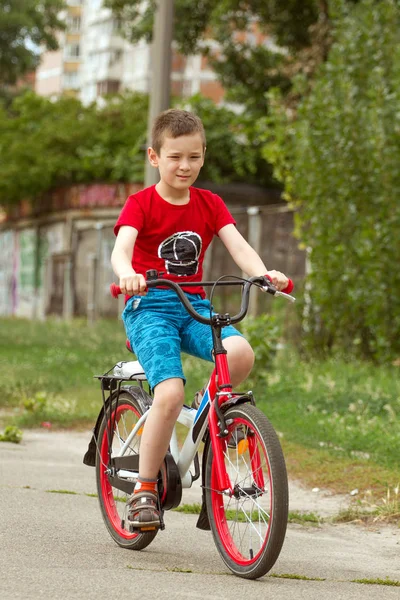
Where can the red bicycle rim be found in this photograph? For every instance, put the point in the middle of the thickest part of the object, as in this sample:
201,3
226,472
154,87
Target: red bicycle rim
218,507
109,502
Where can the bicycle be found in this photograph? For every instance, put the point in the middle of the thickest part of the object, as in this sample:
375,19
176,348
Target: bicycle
244,480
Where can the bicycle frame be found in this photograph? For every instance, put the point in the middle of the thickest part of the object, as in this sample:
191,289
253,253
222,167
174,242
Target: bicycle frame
196,421
217,391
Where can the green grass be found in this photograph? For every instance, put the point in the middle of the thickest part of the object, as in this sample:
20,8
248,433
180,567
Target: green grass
377,582
295,576
350,409
62,492
338,420
189,509
49,368
305,518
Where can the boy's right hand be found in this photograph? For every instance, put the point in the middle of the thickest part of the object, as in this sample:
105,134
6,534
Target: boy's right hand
133,284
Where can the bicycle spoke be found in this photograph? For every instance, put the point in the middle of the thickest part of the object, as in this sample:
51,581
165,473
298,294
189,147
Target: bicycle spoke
124,422
247,510
249,524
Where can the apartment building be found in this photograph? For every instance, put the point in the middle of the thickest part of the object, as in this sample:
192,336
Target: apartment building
59,71
93,60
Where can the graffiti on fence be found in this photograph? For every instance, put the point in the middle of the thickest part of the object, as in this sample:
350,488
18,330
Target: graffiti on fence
7,282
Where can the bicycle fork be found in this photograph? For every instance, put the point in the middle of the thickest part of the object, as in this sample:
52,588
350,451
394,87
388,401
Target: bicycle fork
220,389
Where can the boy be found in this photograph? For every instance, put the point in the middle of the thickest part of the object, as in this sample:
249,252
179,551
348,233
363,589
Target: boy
168,227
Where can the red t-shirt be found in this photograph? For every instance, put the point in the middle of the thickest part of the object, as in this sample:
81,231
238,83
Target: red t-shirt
173,239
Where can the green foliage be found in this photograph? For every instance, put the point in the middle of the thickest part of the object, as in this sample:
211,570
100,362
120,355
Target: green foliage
262,333
289,22
60,143
136,20
316,404
233,151
11,434
298,32
25,25
347,407
36,403
339,162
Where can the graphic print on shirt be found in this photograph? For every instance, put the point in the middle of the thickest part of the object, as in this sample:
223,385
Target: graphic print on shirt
181,253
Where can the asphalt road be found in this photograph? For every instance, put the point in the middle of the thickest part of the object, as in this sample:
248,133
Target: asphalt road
55,545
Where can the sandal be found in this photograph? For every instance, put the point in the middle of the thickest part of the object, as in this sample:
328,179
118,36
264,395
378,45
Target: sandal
143,513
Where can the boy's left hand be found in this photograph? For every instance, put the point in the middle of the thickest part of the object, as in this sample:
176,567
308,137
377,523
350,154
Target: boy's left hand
278,279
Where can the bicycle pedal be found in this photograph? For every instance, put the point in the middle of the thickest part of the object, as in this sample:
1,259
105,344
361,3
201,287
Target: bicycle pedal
144,529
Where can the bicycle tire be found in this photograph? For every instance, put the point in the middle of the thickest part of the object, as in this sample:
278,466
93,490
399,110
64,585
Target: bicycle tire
112,500
249,527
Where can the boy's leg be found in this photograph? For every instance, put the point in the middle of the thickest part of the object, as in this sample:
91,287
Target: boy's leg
143,511
197,340
152,326
240,358
168,401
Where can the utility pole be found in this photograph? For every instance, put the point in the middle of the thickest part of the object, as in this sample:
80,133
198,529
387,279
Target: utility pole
161,74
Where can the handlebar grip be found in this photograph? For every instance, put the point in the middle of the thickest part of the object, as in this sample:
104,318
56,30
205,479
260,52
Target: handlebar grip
115,290
288,288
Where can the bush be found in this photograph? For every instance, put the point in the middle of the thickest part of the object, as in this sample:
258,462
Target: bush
61,143
11,434
262,333
339,161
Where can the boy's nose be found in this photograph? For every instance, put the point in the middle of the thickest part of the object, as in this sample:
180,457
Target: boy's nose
184,165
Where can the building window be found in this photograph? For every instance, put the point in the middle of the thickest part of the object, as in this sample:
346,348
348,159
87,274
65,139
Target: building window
72,51
71,80
109,86
74,24
116,25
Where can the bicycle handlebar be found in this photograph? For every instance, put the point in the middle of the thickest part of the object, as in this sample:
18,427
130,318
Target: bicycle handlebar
261,281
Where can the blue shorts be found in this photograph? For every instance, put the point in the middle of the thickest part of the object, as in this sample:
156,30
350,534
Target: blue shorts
159,328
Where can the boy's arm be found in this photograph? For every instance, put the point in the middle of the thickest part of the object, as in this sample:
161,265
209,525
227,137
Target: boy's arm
247,258
121,260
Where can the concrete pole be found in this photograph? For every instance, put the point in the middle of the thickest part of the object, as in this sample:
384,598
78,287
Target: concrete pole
161,74
254,239
91,308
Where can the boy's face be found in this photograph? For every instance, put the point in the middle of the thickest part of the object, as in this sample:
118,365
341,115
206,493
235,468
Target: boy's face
180,160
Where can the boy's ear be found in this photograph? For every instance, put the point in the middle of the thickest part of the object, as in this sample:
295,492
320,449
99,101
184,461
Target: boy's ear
152,156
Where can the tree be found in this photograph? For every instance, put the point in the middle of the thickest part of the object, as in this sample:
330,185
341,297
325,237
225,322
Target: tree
25,25
61,143
47,144
299,30
338,159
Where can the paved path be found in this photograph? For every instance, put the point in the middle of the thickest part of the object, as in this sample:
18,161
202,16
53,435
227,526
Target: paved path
55,545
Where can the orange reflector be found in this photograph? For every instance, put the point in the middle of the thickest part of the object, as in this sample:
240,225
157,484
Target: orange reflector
140,430
242,446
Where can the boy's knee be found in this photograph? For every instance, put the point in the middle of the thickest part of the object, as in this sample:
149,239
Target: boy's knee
169,396
239,350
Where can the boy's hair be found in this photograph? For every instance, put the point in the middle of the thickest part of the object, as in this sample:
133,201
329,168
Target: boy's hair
174,123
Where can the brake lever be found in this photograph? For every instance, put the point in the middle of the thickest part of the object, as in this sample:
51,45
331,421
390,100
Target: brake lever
271,289
288,296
